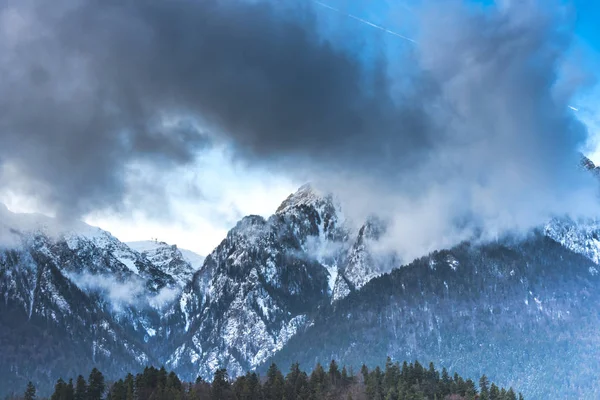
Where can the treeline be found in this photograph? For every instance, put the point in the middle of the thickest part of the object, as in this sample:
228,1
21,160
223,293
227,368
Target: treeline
394,382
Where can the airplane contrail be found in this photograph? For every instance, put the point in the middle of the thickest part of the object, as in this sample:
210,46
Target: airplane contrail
364,21
337,10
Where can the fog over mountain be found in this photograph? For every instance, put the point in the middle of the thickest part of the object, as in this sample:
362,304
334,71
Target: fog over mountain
448,138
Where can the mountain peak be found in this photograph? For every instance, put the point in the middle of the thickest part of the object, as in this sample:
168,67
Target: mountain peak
306,195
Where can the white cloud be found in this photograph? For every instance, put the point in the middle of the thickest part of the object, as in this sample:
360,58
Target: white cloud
223,191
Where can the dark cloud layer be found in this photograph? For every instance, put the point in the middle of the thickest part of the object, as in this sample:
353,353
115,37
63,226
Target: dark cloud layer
90,86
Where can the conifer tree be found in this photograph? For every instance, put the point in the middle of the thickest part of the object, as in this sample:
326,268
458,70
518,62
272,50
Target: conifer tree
220,386
412,382
292,381
345,378
273,388
30,392
334,374
494,392
318,382
80,388
470,391
364,372
510,395
70,392
374,387
60,390
96,385
129,387
392,374
484,391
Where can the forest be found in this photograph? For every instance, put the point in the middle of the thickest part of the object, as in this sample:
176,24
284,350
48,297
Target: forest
394,382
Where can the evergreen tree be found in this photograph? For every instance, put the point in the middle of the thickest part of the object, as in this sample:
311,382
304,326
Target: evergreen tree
470,391
273,388
30,392
60,390
374,387
364,372
494,392
484,391
510,395
345,378
96,385
80,388
240,387
335,377
220,387
70,392
412,382
292,388
392,374
129,387
446,385
318,382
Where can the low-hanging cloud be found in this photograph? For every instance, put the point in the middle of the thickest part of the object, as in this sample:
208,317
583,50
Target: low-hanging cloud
123,293
467,129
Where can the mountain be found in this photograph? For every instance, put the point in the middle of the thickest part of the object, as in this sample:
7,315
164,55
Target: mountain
179,263
258,286
526,313
303,284
76,297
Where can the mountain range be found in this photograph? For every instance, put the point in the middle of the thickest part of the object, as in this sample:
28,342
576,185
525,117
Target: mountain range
307,285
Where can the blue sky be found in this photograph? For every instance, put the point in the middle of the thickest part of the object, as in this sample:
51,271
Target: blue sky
588,19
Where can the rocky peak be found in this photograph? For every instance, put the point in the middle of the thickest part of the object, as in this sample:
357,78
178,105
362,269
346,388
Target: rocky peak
178,263
306,195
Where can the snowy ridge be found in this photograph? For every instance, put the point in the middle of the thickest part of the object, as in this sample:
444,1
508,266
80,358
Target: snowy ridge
179,263
582,237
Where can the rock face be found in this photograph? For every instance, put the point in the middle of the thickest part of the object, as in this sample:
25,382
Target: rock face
259,286
178,263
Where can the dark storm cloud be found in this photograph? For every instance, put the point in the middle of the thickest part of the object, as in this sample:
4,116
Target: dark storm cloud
90,86
87,85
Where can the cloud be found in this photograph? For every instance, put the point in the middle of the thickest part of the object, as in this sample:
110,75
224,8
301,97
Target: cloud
125,293
467,130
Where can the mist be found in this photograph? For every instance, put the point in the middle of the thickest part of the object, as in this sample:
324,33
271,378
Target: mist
131,292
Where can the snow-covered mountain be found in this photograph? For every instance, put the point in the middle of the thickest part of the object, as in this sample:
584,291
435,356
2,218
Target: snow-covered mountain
179,263
95,298
258,287
268,282
525,313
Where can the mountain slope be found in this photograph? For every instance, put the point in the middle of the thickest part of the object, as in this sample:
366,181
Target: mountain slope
526,313
257,287
179,263
75,297
49,325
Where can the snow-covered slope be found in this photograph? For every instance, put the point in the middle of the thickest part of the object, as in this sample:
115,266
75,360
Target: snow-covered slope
582,237
179,263
259,286
98,299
